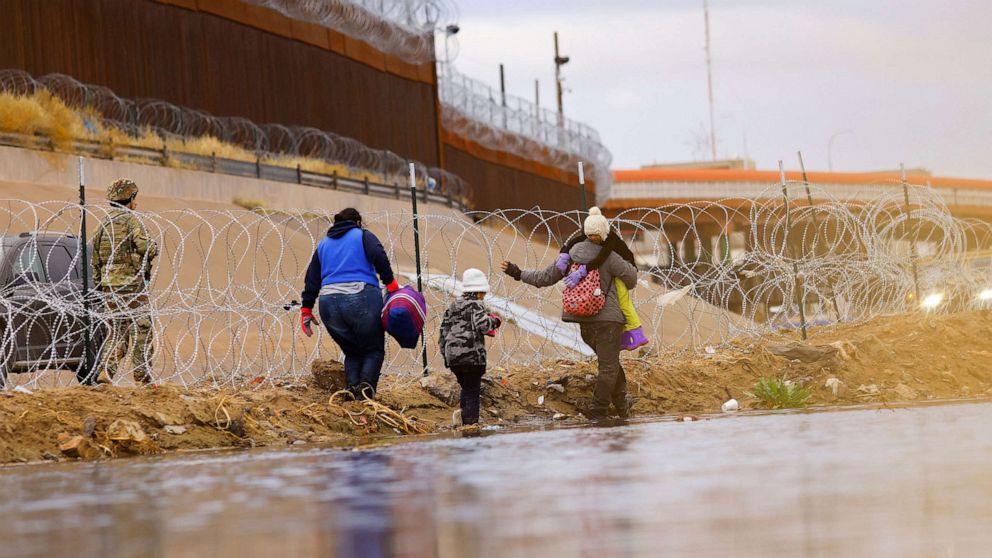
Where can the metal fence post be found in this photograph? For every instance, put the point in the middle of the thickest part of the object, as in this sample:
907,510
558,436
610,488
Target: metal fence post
365,181
582,186
88,364
299,174
789,253
809,198
258,167
912,240
416,251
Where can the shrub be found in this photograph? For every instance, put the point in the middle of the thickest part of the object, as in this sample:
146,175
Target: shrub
778,393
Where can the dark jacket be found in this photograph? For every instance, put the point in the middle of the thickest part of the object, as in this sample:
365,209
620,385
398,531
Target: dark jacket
613,243
463,332
372,250
614,267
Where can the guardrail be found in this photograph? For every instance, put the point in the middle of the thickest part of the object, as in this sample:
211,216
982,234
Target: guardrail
250,169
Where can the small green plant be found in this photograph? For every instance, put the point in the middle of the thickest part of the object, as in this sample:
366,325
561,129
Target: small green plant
777,393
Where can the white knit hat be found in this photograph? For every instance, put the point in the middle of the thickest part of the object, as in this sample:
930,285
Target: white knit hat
474,281
595,223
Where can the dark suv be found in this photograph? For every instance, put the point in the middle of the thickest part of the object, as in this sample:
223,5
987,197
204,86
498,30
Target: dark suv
41,306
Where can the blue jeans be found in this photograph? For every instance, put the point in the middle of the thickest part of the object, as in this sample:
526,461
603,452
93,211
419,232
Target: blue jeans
355,323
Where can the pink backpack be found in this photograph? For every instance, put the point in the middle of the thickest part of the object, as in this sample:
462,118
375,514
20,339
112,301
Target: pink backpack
585,299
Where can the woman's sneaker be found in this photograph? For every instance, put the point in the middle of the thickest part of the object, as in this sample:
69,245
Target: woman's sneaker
633,339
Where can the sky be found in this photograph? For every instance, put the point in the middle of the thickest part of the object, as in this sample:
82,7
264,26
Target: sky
907,81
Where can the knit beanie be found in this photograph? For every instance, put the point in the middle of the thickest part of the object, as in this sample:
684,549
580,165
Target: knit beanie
474,281
595,223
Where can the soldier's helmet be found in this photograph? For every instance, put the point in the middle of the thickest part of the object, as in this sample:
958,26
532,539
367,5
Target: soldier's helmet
122,190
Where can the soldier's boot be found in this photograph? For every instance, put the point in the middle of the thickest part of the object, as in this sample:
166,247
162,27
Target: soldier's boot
142,375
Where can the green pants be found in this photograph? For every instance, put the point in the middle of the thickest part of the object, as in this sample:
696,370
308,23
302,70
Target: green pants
627,307
130,331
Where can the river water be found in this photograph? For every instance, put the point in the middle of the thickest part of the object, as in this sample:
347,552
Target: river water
906,482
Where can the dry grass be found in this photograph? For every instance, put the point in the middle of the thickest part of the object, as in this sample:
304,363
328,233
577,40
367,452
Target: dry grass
44,114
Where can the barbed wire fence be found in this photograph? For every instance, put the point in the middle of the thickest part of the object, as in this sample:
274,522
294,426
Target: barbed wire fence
223,292
99,108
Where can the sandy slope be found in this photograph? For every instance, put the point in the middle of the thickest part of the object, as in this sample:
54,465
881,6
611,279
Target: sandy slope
886,361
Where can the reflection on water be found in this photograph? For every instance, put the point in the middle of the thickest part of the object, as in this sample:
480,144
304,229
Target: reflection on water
911,482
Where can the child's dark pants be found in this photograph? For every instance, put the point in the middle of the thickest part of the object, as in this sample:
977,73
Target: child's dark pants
470,379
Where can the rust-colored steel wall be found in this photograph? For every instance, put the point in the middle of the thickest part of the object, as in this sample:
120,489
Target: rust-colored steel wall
140,48
495,186
216,55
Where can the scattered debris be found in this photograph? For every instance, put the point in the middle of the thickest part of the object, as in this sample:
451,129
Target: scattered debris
834,385
89,426
78,447
540,400
906,392
24,390
559,416
557,387
730,406
805,353
871,389
175,429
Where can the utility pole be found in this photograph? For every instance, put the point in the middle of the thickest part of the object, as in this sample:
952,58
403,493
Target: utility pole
502,93
502,86
559,62
709,77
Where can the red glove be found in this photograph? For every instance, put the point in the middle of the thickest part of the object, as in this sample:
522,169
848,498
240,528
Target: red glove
307,318
499,322
392,287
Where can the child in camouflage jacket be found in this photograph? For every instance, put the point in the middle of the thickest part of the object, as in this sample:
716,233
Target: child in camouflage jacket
464,328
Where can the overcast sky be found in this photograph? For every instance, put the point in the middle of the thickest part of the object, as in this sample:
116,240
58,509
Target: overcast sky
911,78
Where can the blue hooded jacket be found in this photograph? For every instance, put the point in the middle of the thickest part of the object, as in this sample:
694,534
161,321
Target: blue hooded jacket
347,254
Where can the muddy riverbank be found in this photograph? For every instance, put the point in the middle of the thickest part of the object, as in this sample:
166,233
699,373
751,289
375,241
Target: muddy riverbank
887,360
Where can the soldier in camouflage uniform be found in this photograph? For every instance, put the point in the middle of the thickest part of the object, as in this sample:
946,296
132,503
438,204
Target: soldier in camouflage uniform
122,263
463,343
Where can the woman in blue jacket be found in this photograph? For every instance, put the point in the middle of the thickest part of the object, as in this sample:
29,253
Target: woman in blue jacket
342,273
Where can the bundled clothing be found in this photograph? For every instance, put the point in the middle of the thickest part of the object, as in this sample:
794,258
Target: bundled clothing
342,273
464,328
602,331
633,333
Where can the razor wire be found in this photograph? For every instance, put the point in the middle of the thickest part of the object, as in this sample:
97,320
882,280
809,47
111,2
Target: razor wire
223,294
403,28
469,109
473,109
99,106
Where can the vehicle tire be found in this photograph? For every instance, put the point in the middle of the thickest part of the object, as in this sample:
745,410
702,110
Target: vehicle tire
87,377
6,364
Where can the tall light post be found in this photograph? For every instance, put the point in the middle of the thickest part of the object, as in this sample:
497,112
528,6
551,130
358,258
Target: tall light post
830,147
449,31
559,62
709,77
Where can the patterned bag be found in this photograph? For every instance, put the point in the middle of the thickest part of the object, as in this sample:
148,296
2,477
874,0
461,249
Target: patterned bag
403,316
585,299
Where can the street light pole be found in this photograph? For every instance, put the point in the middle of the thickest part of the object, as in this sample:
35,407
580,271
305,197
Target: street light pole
830,146
559,62
709,77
